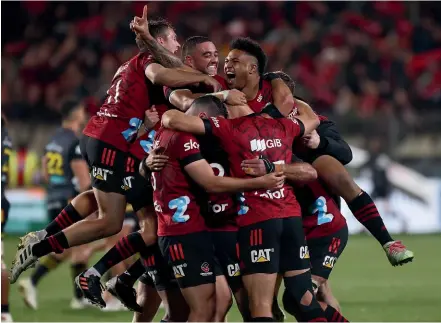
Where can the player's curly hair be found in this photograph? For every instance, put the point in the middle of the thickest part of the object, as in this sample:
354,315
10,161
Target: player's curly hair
191,43
159,26
252,48
285,78
208,104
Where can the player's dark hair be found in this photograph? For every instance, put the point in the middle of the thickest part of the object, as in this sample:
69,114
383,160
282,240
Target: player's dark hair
287,79
252,48
191,43
158,27
208,104
67,108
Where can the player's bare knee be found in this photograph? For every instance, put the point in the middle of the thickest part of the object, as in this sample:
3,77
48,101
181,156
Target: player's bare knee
109,225
150,237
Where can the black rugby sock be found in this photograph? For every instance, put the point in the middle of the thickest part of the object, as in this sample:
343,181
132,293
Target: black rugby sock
131,275
125,248
332,315
366,212
66,218
56,243
76,269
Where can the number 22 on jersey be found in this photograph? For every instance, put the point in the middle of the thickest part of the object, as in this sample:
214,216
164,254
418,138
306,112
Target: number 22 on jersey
321,208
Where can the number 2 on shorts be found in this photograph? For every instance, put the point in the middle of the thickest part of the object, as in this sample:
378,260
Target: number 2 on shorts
180,204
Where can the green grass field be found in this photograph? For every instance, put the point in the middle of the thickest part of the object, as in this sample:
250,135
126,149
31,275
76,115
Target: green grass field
368,288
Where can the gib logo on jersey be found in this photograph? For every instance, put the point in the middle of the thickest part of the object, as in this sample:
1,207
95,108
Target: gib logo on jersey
233,270
329,262
205,269
191,145
304,252
127,182
178,271
261,255
100,173
262,144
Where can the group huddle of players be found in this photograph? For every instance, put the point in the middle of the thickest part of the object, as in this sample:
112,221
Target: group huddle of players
235,183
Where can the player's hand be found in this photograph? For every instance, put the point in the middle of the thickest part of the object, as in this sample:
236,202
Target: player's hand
254,167
273,181
236,97
151,118
211,82
312,140
141,25
155,161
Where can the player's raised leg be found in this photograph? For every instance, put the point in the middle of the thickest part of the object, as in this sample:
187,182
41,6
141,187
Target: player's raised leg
362,206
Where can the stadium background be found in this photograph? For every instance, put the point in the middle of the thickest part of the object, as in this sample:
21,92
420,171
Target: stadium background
373,67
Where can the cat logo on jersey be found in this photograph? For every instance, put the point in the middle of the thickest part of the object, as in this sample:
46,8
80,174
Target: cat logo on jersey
261,255
178,270
304,252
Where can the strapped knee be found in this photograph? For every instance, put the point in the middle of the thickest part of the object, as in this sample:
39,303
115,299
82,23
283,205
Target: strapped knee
296,288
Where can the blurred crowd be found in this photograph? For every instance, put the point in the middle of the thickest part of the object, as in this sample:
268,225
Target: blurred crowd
346,57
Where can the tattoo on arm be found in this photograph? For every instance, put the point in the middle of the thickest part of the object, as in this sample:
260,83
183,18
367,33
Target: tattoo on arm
162,55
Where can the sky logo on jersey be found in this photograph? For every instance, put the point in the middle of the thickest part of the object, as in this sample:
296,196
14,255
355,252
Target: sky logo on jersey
191,145
148,144
321,208
262,144
216,122
243,208
261,255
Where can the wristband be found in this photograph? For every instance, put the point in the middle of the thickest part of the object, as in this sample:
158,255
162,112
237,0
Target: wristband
269,166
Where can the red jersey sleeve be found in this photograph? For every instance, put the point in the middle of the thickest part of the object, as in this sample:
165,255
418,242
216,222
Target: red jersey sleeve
294,126
222,82
218,127
187,149
146,60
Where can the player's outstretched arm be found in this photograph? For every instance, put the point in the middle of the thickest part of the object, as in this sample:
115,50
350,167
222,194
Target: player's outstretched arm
296,172
171,77
177,120
202,173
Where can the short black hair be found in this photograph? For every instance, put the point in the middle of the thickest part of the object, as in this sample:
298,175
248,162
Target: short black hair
287,79
68,108
208,104
158,27
191,43
252,48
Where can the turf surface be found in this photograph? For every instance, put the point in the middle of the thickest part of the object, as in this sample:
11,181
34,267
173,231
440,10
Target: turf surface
367,286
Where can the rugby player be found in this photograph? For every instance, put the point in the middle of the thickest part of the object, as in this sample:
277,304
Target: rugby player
270,220
182,234
332,172
106,141
66,175
6,152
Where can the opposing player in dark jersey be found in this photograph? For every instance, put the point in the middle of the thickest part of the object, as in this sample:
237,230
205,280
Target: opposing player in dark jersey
66,175
106,141
269,221
331,171
6,152
182,234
